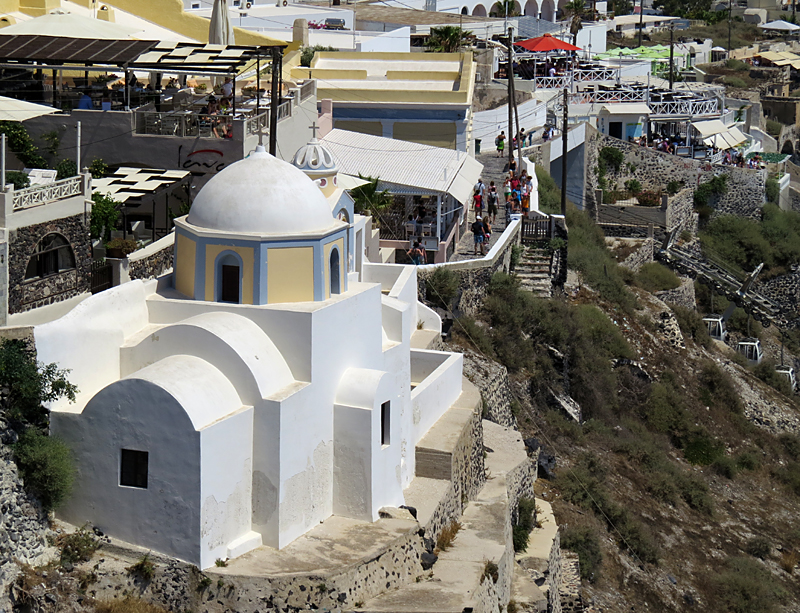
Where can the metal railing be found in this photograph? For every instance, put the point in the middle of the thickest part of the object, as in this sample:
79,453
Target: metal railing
45,194
307,89
181,125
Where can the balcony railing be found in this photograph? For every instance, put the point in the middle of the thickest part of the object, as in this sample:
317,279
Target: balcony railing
183,125
45,194
307,89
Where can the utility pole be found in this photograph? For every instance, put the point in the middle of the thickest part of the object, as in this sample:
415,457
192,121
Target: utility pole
516,117
564,154
275,101
641,20
730,22
671,51
510,76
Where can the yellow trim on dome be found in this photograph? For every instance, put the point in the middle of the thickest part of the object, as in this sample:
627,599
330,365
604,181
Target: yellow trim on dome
184,265
290,274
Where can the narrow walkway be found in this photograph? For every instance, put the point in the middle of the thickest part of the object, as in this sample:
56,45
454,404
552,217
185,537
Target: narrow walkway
494,169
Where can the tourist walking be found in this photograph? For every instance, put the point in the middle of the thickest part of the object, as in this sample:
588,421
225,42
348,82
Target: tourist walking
417,254
487,232
500,143
478,232
491,198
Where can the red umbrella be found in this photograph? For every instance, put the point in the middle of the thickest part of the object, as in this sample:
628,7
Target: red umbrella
547,42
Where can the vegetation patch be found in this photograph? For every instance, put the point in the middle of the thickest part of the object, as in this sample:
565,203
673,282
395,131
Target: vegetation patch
583,541
78,546
46,466
442,287
745,585
447,536
655,277
143,568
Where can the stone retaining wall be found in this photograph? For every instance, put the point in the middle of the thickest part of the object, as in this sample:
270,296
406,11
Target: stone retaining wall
784,290
554,575
153,265
680,212
643,255
24,295
474,275
682,295
491,378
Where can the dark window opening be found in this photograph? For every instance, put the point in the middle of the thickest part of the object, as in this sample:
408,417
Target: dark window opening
133,468
53,255
385,423
334,272
230,284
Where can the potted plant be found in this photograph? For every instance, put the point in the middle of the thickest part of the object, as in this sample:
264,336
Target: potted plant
120,247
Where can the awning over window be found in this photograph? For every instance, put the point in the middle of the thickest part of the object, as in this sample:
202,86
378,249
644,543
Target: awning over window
726,140
710,127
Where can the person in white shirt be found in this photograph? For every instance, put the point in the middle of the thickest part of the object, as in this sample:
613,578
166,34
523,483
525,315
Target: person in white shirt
227,87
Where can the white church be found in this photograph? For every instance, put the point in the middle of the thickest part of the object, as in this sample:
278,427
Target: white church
266,383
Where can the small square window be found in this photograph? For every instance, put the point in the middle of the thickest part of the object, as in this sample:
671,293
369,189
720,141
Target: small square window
133,468
195,5
385,423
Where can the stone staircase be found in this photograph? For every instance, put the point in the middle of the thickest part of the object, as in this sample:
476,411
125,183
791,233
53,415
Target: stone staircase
533,271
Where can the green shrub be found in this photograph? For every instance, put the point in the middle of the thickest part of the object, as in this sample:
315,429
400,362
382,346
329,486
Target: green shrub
144,568
98,168
126,245
526,511
442,287
694,492
745,586
79,546
715,186
104,216
610,158
633,186
692,325
748,460
46,466
772,189
549,194
66,169
18,179
791,444
674,186
21,143
790,476
767,373
738,65
516,254
307,54
774,127
648,198
583,541
758,547
468,332
520,539
701,449
717,388
725,466
655,277
734,82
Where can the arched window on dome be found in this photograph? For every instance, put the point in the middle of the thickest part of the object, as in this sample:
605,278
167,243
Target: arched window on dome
229,278
334,272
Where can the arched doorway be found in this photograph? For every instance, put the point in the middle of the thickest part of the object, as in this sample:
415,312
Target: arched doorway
548,10
788,147
532,8
464,10
334,272
479,10
229,276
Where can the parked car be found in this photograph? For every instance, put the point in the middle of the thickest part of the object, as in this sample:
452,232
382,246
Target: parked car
334,23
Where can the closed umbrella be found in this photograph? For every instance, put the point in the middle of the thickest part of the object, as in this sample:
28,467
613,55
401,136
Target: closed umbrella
220,30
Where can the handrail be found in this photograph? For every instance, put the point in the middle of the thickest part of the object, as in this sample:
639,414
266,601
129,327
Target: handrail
308,89
181,125
45,194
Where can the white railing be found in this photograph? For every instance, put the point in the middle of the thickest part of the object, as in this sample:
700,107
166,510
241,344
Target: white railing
552,82
597,74
45,194
285,110
254,125
693,108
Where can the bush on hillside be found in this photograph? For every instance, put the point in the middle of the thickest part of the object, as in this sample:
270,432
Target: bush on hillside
610,158
442,287
692,325
774,127
744,585
767,373
583,541
734,82
716,186
46,466
549,194
772,190
655,277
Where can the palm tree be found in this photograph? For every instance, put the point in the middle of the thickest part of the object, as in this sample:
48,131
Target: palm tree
447,39
368,198
504,8
574,10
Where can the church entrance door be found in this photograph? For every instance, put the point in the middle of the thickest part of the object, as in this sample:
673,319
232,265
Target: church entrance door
230,284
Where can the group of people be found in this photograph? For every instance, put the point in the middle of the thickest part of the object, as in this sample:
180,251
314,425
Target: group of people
220,128
517,188
731,157
523,138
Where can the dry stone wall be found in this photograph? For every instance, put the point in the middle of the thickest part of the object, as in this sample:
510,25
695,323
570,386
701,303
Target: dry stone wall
682,295
153,265
491,379
783,290
643,255
25,295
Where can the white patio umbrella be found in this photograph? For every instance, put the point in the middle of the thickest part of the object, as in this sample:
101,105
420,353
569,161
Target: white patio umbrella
12,109
61,23
780,26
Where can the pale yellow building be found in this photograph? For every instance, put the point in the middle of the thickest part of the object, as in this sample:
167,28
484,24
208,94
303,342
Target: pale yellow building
424,98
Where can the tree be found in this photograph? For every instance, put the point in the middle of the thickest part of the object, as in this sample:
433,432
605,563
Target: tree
447,39
574,10
30,384
46,466
105,212
368,198
683,8
503,8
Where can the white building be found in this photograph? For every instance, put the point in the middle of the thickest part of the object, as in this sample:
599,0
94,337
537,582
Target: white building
263,386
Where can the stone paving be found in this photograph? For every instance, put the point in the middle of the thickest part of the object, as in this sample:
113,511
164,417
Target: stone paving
494,169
